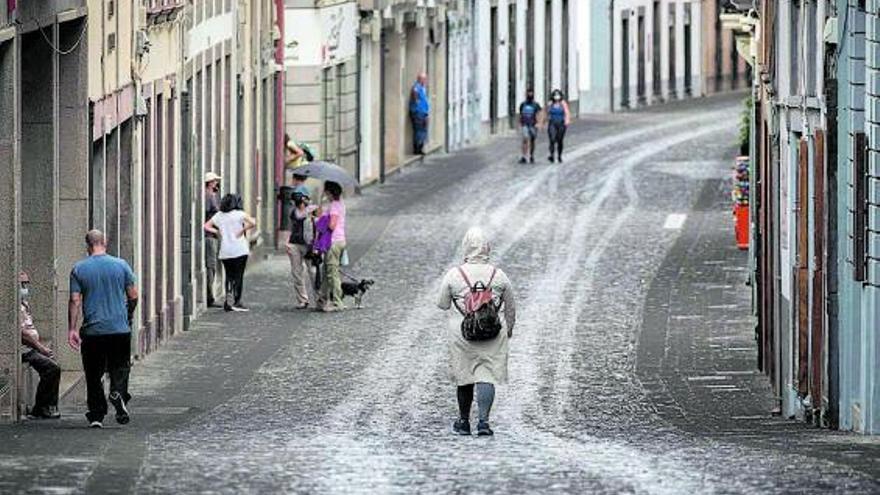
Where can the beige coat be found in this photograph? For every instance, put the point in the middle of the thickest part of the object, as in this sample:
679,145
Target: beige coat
485,361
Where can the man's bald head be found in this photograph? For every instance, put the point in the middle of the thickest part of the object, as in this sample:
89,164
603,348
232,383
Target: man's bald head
422,78
96,241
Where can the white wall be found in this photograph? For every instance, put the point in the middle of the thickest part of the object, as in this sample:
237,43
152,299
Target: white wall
503,57
633,6
483,57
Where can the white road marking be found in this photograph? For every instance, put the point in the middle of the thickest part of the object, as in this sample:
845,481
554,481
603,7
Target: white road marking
675,221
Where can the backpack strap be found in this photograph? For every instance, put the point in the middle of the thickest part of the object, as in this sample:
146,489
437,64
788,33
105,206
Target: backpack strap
465,277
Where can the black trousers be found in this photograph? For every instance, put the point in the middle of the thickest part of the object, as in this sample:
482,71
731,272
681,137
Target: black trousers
105,353
50,378
556,133
234,268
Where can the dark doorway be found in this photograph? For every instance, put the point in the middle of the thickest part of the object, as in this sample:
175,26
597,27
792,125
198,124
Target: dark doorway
719,52
530,44
624,62
565,55
511,64
548,48
156,242
655,61
672,83
186,200
688,49
146,339
493,70
640,51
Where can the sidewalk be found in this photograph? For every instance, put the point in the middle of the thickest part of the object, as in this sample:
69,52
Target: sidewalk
697,354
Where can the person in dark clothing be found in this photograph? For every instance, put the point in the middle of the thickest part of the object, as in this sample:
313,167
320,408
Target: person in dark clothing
299,246
103,292
212,243
558,120
40,357
529,119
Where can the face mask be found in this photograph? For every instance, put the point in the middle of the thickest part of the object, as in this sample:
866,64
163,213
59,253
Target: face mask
557,97
24,292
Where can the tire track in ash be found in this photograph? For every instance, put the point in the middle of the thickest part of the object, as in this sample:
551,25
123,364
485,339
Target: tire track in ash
424,315
368,453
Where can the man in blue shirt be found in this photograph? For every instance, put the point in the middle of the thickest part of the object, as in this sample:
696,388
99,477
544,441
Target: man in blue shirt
529,119
419,109
103,291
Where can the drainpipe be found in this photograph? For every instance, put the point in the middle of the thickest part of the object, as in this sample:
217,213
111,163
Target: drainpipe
382,112
279,111
358,110
611,45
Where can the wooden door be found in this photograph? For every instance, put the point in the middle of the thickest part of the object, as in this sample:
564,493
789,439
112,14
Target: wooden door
803,246
817,317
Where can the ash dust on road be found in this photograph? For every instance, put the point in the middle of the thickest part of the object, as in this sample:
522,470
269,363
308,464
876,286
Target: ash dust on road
360,402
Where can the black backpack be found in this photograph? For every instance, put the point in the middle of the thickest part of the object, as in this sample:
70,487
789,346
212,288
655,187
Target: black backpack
481,321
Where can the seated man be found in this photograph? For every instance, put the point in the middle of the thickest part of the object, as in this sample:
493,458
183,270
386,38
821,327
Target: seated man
40,357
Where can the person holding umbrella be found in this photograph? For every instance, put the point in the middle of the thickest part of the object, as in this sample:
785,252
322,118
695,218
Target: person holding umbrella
333,219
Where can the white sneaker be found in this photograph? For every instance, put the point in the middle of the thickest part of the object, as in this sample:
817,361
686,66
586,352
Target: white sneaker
96,424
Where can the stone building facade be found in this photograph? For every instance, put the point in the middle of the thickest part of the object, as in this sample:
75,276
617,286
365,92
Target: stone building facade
115,111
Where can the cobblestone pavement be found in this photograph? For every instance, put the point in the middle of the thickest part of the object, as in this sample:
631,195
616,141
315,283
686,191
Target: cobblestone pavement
621,320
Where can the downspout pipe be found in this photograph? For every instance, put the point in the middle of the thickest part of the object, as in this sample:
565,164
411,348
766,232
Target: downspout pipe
279,112
382,111
611,45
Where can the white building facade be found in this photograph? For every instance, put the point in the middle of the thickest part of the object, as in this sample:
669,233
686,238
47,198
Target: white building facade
500,48
655,53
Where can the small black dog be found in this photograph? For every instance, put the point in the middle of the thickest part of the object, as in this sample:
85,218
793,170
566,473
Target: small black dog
357,290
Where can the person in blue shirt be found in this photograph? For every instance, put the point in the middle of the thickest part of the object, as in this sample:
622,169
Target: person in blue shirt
419,109
529,119
558,120
104,294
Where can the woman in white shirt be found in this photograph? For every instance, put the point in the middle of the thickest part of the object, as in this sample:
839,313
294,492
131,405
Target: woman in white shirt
231,225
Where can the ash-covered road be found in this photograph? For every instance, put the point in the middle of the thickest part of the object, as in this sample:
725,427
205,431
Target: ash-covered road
608,389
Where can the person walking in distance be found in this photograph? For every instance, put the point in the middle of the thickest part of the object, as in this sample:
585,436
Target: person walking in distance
231,224
479,331
39,356
529,113
331,285
212,243
558,120
419,110
103,292
299,246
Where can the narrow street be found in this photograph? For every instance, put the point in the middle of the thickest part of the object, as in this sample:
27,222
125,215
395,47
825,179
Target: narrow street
632,363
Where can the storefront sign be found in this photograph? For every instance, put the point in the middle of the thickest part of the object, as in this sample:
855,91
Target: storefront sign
320,37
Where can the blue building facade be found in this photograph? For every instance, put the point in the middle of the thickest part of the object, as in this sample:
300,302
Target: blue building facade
858,214
816,212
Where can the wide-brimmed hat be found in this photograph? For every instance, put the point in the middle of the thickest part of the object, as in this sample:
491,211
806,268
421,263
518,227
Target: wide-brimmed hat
211,177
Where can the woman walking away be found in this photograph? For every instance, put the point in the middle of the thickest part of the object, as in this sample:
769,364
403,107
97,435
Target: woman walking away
479,330
331,284
558,118
231,224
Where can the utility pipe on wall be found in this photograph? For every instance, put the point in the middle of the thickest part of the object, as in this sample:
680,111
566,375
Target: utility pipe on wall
279,112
